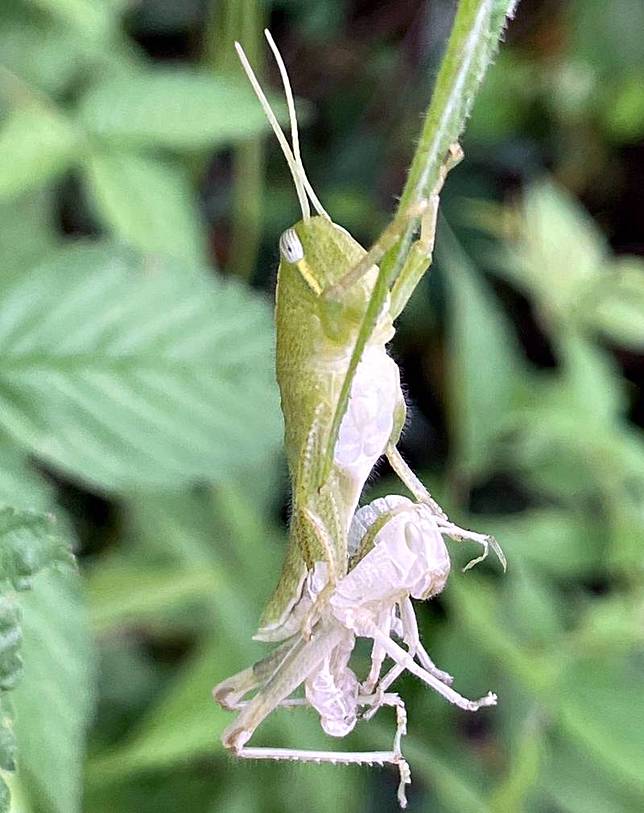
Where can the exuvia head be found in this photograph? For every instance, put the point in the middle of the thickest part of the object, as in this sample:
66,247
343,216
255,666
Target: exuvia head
293,157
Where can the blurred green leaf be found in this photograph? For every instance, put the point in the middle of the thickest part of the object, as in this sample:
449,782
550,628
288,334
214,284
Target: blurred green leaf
122,372
611,626
121,593
555,540
26,231
457,793
591,383
626,520
502,103
137,198
607,34
179,109
616,305
36,143
624,110
485,369
174,529
571,437
577,784
93,19
560,251
20,483
182,724
535,608
602,707
39,49
5,798
476,607
514,791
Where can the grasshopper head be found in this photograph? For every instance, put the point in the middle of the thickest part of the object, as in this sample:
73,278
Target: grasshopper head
315,253
320,247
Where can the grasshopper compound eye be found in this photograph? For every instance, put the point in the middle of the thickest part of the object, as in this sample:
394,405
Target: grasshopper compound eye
290,247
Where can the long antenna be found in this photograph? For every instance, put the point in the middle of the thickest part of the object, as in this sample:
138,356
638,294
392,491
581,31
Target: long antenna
294,166
295,138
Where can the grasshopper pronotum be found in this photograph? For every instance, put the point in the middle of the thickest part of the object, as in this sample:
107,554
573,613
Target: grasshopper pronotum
346,573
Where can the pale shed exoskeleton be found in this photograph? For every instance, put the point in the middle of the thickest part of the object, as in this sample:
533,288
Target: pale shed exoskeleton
325,285
397,553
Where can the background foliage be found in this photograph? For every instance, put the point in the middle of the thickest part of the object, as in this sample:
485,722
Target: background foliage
140,211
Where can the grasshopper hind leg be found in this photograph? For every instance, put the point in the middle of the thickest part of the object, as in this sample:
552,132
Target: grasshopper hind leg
337,758
393,757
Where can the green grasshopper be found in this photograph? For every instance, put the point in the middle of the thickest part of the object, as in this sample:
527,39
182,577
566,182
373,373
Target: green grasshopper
324,285
343,409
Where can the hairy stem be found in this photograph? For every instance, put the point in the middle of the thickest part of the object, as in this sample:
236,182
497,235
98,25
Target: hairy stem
473,42
475,35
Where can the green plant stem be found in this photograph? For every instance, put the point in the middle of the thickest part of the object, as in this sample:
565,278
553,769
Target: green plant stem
241,20
247,208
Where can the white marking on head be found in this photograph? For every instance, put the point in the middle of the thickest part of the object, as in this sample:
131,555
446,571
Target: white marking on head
291,247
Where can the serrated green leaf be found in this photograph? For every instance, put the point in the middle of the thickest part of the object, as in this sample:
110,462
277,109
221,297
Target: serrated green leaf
10,641
36,143
179,109
53,700
123,372
45,717
28,544
485,367
7,737
138,197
